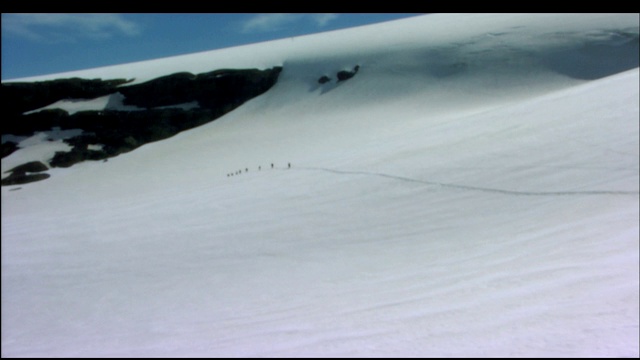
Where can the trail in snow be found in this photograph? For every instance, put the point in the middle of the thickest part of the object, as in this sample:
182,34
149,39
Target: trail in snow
471,188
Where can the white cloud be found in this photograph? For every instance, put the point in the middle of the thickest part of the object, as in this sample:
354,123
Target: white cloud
67,27
323,19
268,22
274,22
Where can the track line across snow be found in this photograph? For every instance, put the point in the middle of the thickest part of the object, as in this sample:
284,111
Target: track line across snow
474,188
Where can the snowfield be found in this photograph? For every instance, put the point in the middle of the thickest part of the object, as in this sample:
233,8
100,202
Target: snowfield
472,191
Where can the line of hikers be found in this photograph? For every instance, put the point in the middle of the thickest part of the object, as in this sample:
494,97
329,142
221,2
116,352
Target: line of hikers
238,172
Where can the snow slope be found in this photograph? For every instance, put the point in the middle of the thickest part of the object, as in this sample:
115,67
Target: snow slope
108,102
472,191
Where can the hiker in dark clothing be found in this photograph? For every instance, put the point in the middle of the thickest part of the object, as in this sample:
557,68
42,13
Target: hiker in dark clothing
289,165
272,165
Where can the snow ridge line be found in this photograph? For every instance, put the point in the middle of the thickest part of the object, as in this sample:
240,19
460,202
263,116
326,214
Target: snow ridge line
474,188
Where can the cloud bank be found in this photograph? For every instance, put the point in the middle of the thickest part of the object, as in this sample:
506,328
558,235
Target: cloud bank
275,22
67,27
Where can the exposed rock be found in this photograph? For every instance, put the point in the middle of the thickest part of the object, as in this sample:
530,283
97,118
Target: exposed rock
19,179
345,75
20,97
22,174
216,92
324,79
212,90
8,148
29,124
33,166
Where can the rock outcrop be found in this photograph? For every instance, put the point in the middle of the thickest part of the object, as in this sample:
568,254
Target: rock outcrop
345,75
119,131
8,148
324,79
24,173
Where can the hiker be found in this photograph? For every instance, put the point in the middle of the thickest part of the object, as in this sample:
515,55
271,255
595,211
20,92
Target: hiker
272,165
259,168
289,165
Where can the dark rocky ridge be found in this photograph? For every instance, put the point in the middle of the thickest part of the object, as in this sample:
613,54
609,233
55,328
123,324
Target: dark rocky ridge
216,92
21,97
8,148
22,174
345,75
33,166
324,79
341,75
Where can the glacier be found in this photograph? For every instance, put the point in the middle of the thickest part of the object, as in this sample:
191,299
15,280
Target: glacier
471,191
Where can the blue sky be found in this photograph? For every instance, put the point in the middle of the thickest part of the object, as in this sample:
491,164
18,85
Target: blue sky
39,44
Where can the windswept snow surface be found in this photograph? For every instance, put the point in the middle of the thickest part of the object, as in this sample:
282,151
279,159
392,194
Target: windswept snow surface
470,192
